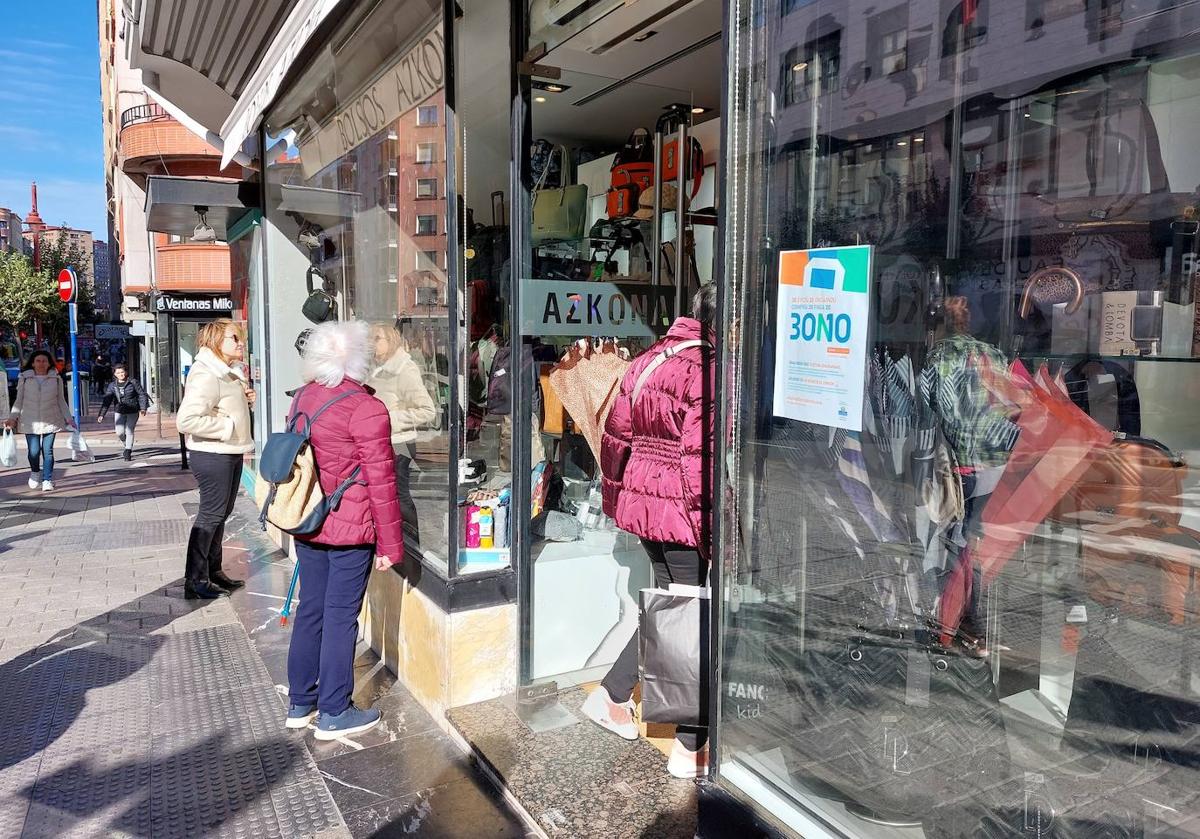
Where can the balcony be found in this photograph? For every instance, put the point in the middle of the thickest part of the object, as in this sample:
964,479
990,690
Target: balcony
191,267
151,140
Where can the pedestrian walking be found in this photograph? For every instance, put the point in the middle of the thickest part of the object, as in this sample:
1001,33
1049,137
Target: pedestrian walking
129,400
653,460
215,417
352,435
40,412
397,383
102,374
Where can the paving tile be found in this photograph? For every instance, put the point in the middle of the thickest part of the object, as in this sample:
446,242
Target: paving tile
394,770
463,808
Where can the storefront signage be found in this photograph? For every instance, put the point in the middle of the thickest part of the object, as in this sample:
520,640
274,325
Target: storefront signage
112,331
168,303
415,77
821,335
582,308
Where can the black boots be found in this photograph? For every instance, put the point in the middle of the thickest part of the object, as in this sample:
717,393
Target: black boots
220,579
202,590
128,455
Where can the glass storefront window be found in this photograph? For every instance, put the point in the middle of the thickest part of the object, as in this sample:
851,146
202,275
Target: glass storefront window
346,219
959,537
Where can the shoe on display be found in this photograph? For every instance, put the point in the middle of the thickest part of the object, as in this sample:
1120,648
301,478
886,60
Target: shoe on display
351,721
299,716
34,482
617,717
220,579
47,486
203,590
684,763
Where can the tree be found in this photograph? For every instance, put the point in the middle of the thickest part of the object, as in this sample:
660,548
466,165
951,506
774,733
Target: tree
25,295
56,254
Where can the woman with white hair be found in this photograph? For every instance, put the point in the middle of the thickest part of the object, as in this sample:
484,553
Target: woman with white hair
353,432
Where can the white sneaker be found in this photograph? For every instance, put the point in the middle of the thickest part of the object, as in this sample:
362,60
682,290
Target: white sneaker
33,482
47,486
685,763
599,708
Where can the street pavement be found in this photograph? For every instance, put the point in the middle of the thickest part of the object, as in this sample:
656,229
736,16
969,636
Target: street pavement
129,711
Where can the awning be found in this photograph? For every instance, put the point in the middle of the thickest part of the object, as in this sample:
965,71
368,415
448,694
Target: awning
219,62
171,204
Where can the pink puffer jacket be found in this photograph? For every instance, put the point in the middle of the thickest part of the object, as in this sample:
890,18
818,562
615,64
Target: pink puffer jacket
356,432
655,452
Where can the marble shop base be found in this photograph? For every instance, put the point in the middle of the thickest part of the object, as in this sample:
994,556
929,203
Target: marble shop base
574,778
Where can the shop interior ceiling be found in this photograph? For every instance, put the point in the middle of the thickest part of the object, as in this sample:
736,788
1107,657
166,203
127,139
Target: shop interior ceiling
620,76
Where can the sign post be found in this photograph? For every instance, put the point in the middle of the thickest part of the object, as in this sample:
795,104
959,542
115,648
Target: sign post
68,291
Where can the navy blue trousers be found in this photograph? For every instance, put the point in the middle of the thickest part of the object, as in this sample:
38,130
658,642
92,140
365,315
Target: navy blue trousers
333,580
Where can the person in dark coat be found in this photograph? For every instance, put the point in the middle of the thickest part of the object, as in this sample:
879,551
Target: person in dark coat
353,435
130,402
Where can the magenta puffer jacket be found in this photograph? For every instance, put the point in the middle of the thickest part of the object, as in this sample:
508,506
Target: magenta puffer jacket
655,452
355,432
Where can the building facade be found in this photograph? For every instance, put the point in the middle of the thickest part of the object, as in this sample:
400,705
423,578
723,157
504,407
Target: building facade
11,231
948,511
164,281
102,280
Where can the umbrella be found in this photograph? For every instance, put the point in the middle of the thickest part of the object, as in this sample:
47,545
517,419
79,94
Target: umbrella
1052,450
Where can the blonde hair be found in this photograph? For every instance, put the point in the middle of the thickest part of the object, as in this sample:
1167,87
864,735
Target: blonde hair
212,335
335,351
389,334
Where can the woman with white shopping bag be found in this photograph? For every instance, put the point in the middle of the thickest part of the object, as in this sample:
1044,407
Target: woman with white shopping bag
39,413
655,455
8,440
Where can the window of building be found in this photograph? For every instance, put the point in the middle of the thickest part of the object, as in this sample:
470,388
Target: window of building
426,225
426,152
813,68
965,25
1039,13
427,260
427,115
426,187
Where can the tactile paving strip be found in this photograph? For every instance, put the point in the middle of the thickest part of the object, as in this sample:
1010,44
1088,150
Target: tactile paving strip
305,808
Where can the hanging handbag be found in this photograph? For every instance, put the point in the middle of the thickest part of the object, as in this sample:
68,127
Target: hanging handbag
320,306
631,174
559,215
693,166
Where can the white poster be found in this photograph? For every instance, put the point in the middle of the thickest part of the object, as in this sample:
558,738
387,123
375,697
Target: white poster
821,335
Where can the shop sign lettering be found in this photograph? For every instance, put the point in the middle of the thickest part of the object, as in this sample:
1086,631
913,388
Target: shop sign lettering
167,303
582,308
411,80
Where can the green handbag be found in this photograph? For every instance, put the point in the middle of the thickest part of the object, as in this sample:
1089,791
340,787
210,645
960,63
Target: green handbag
559,214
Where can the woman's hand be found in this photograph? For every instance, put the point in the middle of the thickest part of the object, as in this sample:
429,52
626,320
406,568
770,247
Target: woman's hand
250,396
382,563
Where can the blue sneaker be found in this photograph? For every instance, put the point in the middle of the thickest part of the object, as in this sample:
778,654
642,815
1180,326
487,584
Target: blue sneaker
299,716
351,721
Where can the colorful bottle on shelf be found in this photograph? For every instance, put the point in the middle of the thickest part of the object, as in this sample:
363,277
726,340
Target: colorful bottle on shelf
486,527
472,527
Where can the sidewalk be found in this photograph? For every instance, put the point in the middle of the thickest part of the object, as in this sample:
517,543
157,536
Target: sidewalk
129,711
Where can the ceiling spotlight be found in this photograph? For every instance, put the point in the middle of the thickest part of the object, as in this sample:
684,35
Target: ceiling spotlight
902,143
918,139
202,231
554,88
700,109
539,99
799,68
645,36
1028,116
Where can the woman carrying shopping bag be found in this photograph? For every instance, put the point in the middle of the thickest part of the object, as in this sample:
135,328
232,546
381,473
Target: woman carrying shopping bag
215,417
656,454
40,412
351,439
129,401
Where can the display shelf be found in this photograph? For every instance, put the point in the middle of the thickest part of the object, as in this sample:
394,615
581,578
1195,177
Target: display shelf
1161,359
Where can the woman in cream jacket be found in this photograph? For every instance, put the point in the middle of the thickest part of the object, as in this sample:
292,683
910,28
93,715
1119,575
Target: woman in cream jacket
397,383
40,412
215,417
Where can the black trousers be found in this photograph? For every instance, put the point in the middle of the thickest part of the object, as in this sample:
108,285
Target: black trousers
672,564
408,507
218,476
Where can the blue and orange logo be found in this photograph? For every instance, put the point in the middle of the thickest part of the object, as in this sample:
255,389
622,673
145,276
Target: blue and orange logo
829,269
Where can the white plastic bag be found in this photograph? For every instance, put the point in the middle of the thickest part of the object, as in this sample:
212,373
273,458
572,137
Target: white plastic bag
8,449
79,448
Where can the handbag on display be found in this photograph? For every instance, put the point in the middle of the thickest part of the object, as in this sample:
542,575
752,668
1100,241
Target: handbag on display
693,166
559,214
631,174
554,419
673,643
320,306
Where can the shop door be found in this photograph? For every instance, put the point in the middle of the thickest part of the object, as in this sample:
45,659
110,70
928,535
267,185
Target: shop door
593,290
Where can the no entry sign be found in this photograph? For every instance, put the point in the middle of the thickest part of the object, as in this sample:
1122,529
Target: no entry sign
68,284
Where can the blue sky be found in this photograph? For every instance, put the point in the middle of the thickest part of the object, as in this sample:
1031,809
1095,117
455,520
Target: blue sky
50,120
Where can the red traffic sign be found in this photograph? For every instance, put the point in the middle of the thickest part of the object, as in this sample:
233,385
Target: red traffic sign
67,285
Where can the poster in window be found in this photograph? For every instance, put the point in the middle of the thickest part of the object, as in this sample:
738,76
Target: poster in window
821,335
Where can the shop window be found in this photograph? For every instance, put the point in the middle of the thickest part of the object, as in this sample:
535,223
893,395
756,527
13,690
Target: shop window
426,225
979,248
887,35
427,115
426,152
426,187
